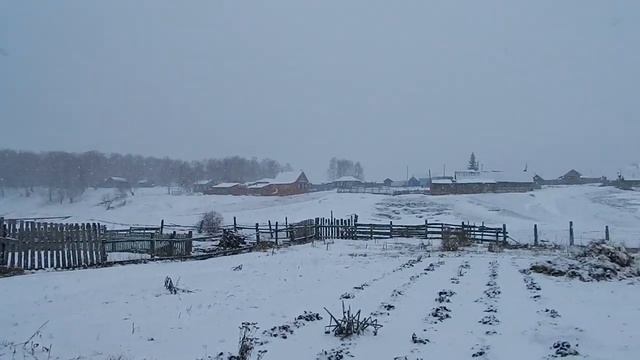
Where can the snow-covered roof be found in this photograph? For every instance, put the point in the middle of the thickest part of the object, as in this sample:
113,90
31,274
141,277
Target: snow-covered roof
288,177
225,185
258,185
202,182
347,179
117,178
442,181
492,176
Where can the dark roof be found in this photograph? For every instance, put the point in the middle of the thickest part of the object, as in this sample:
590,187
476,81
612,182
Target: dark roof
572,173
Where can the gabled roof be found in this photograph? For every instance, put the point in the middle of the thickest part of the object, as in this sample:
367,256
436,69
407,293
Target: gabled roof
288,177
572,173
347,179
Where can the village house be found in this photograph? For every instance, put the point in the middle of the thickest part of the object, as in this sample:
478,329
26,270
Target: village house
226,189
572,177
116,182
202,186
477,182
347,182
287,183
144,183
413,182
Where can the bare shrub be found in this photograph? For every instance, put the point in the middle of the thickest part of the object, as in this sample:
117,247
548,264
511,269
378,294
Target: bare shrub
210,223
449,242
453,241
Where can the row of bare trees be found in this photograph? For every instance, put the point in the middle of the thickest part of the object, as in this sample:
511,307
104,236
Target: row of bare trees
67,175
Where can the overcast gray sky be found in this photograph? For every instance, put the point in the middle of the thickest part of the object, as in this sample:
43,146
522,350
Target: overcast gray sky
390,83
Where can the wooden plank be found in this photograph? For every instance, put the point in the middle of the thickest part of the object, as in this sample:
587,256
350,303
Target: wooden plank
68,245
83,245
76,243
45,245
93,244
60,259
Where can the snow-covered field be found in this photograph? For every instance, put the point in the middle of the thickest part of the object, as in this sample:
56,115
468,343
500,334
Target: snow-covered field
591,208
495,312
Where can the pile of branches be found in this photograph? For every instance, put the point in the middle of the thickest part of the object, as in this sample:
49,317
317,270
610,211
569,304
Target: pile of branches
350,324
598,261
232,239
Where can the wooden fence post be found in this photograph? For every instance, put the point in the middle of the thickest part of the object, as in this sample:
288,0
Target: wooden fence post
482,232
270,230
504,233
276,233
390,229
426,229
161,226
235,225
571,238
606,233
535,234
371,231
257,233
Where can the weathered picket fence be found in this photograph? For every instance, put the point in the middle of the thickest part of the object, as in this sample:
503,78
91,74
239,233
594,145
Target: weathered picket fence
34,245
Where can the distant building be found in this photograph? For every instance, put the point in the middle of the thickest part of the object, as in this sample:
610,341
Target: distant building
144,183
347,182
572,177
287,183
116,182
202,186
413,182
387,182
227,189
477,182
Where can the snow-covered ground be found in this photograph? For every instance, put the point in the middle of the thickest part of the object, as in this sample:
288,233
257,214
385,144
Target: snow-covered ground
495,312
591,208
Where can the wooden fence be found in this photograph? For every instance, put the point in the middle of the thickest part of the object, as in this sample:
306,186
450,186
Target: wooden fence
37,245
148,240
324,228
34,245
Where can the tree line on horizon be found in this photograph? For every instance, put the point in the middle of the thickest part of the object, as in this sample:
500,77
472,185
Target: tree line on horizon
67,175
